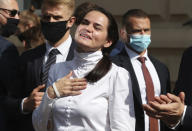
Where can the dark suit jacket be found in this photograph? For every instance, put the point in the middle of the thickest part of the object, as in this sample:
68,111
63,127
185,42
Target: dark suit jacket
187,126
184,83
123,60
8,69
30,71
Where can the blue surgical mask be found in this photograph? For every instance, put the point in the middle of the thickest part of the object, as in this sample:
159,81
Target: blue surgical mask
140,42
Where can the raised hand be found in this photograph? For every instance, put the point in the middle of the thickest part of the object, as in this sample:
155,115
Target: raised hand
67,86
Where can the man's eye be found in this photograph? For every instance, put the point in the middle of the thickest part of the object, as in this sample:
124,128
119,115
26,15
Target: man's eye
46,17
136,31
146,30
56,17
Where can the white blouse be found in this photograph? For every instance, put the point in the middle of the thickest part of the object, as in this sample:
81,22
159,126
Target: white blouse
100,107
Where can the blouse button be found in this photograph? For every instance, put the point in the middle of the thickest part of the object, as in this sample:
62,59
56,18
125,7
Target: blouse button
68,115
68,123
68,109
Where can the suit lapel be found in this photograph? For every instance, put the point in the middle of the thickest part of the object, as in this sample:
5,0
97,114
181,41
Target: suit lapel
71,51
38,64
160,74
127,65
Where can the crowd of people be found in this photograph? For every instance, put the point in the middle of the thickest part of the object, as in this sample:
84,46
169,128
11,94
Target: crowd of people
92,82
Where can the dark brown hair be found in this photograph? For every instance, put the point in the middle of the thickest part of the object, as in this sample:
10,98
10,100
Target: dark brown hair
82,10
104,65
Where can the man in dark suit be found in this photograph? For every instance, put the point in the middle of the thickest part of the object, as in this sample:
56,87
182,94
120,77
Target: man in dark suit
136,33
8,60
8,66
183,84
34,65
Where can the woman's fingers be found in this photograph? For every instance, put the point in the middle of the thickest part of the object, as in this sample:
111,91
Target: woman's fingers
78,84
78,80
77,88
70,93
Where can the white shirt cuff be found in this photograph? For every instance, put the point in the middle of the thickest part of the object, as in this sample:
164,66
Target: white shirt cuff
181,120
56,91
25,113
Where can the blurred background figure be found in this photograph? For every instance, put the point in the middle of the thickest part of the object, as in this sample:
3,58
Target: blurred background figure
29,32
36,4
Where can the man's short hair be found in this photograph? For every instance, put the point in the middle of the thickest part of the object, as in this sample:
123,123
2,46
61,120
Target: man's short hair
69,3
138,13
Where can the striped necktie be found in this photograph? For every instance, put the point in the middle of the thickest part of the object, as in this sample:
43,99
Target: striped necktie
51,60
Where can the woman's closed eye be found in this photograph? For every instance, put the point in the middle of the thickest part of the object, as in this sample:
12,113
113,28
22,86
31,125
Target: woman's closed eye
85,22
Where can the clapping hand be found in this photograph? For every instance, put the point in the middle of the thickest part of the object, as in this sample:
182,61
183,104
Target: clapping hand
168,108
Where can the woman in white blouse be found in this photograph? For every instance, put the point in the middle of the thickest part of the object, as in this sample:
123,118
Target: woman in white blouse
99,106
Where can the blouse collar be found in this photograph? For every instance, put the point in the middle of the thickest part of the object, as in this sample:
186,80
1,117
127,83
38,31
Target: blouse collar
85,62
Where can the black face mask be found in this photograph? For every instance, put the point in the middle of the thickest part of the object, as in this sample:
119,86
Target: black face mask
10,27
54,31
28,34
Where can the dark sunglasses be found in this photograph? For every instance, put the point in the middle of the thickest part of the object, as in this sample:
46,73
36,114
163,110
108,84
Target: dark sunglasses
11,13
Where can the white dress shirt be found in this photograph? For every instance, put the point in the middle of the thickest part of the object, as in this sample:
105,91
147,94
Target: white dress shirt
63,49
100,107
141,81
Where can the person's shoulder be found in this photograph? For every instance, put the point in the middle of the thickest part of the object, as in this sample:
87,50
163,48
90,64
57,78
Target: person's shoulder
117,70
158,63
35,52
189,49
120,56
5,43
188,52
32,54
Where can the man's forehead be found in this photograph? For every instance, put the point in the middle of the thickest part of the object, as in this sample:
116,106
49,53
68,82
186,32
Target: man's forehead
55,10
9,4
139,22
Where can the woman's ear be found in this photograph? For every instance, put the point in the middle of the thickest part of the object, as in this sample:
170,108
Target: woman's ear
107,44
71,21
